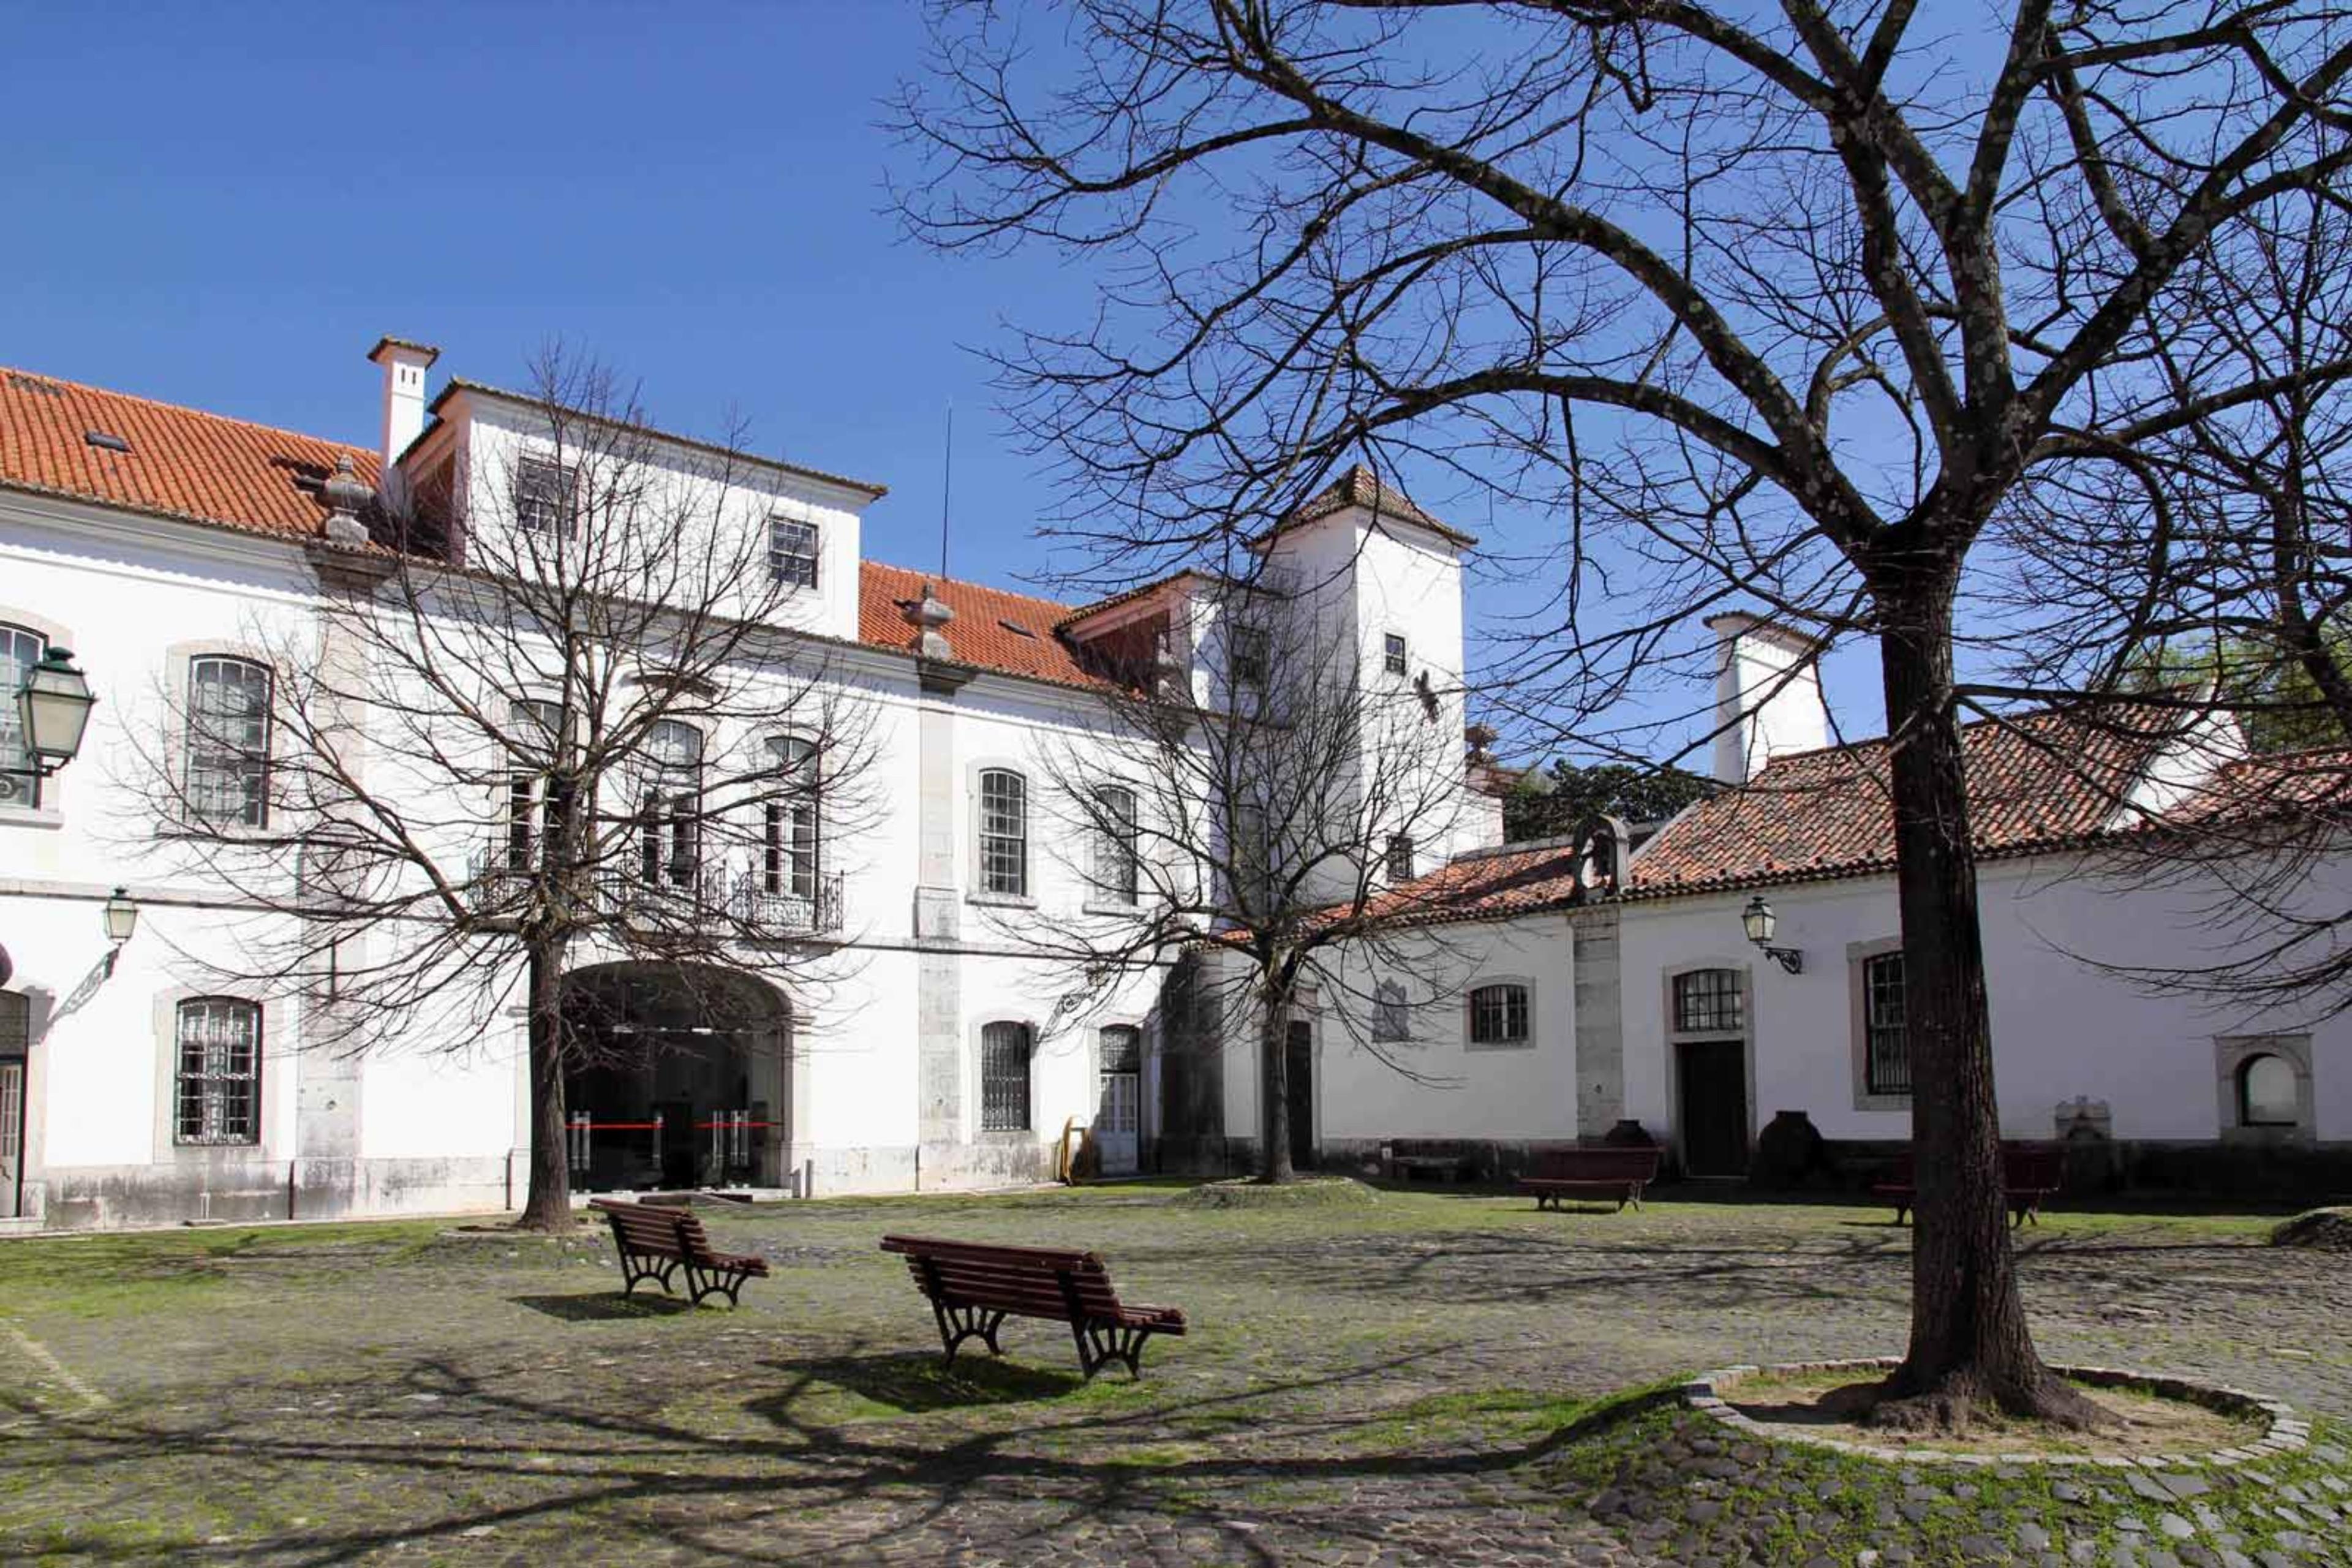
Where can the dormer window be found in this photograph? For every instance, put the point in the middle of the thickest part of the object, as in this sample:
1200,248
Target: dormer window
546,496
791,553
1392,653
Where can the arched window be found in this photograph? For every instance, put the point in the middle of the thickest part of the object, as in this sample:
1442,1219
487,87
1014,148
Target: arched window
669,812
789,854
20,649
2266,1092
1005,1078
228,741
1391,1015
1117,870
1499,1015
219,1078
1004,833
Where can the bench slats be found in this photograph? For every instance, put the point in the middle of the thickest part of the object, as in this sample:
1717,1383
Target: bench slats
655,1242
1620,1174
973,1286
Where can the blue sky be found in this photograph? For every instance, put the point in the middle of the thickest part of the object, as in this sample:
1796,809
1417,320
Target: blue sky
226,206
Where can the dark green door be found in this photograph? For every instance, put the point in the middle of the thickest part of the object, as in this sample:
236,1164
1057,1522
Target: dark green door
1714,1076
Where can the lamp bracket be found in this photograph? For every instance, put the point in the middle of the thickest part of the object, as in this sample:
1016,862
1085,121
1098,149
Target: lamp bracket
1791,959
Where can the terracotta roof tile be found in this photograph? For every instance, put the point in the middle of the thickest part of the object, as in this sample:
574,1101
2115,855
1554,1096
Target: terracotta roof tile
1360,487
182,463
981,634
2035,780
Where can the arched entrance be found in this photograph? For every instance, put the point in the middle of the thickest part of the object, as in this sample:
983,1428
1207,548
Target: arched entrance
681,1076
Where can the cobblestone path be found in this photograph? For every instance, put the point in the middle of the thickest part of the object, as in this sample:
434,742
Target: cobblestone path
1410,1381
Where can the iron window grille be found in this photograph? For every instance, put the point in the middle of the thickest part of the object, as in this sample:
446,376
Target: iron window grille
1118,868
1887,1049
791,553
20,650
1498,1016
1709,1001
1005,1078
1004,833
789,857
1400,858
228,742
219,1077
1391,1016
1393,653
546,496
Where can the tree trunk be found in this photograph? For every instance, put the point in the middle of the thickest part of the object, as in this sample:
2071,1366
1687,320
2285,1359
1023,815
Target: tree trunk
549,1206
1274,1082
1969,1342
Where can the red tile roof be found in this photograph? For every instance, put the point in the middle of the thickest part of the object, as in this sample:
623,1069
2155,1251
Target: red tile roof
981,634
182,463
2253,788
2036,781
1360,487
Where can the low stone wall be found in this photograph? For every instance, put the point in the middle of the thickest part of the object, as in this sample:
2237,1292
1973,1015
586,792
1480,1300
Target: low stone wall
102,1197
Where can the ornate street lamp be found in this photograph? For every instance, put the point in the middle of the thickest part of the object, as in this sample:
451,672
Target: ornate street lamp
1762,924
122,918
53,709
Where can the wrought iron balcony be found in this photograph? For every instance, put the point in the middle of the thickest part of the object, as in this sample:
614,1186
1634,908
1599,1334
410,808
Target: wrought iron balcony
684,895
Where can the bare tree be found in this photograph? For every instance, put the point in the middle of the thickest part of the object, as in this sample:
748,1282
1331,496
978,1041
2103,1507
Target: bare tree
1623,259
547,711
1262,820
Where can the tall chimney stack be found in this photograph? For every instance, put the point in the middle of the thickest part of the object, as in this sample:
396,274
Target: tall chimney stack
404,364
1768,694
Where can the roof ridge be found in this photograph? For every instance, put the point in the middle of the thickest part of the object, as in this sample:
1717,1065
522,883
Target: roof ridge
2052,710
6,370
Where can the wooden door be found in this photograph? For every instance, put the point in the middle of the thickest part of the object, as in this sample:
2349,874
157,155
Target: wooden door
1714,1120
1300,1074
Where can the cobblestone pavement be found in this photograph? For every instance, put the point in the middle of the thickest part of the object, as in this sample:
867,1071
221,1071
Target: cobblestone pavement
1408,1381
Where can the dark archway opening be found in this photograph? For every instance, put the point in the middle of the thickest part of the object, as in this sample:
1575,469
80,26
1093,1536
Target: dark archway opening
679,1077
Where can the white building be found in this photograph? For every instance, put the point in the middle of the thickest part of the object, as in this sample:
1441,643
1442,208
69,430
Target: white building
164,545
159,543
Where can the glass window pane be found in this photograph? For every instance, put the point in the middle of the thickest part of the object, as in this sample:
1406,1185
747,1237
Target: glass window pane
1005,1078
1887,1059
217,1096
228,741
20,650
2266,1092
1708,1000
791,553
1118,874
1003,833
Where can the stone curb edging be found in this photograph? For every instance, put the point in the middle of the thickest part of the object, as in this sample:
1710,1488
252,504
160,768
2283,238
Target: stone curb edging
2286,1432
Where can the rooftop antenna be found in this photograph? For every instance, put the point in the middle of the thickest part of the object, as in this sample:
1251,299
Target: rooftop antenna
947,488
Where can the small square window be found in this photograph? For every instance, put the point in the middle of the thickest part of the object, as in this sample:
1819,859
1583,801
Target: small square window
1393,653
546,496
1249,657
791,553
1498,1016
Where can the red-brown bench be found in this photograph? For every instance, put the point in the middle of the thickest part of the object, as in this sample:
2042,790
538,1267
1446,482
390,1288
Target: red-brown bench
974,1285
1603,1173
655,1242
2028,1175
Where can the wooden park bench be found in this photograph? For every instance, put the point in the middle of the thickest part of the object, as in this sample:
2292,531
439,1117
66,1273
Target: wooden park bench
973,1286
1604,1174
655,1242
2028,1175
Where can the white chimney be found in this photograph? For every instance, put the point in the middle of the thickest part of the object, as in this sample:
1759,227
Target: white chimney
1768,695
404,364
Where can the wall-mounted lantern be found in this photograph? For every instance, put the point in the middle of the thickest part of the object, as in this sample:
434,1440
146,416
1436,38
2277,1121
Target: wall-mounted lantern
1762,924
53,709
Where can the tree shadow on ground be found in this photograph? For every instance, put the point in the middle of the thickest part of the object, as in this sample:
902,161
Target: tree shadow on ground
916,1382
604,1307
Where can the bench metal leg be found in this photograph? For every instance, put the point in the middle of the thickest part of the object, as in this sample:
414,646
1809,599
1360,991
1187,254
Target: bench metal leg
958,1323
1099,1344
638,1266
701,1283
